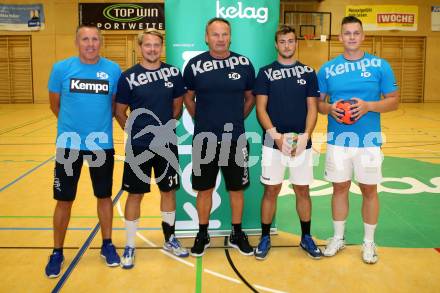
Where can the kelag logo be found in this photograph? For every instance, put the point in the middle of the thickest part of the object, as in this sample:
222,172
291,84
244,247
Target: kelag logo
128,12
240,11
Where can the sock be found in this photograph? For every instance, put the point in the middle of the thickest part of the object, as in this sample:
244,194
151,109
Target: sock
369,232
169,217
265,229
167,231
203,229
130,231
305,228
58,250
168,220
339,227
236,229
106,241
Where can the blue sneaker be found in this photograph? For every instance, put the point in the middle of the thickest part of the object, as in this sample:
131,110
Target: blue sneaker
127,261
108,252
309,246
53,267
263,248
173,245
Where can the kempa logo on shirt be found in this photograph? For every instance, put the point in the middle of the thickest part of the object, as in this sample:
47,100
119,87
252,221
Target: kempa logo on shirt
346,67
260,14
101,75
146,77
281,73
365,74
234,75
209,65
89,86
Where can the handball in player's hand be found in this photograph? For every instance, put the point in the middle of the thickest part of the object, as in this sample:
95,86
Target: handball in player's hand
345,107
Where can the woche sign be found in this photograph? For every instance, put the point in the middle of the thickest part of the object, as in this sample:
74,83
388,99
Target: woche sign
385,17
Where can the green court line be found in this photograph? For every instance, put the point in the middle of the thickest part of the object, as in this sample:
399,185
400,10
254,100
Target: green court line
74,217
199,270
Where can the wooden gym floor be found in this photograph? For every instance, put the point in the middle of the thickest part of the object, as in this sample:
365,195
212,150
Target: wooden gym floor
408,232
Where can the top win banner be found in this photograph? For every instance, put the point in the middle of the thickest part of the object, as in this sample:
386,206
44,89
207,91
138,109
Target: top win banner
123,16
385,17
253,25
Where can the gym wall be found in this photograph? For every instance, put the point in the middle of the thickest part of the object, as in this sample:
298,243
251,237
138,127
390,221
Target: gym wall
337,8
56,41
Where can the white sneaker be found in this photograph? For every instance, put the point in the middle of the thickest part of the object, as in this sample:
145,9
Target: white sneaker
369,254
174,246
333,246
127,260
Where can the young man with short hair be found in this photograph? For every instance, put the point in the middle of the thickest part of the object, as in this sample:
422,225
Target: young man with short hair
362,78
287,94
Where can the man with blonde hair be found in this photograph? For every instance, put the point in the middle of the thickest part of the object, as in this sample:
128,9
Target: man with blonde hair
153,91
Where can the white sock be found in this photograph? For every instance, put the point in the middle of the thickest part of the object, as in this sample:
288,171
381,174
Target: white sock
169,217
130,229
369,232
339,229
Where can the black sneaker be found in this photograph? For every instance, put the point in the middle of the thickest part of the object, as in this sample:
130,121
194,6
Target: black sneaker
241,242
200,244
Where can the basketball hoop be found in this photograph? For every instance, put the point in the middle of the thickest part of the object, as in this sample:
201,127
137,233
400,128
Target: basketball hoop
308,38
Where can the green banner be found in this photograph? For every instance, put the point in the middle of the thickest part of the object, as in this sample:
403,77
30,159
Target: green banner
253,24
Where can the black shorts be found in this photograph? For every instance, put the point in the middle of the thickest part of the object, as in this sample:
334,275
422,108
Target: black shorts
233,164
67,171
137,175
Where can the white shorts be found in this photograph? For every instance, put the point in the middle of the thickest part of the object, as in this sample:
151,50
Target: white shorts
341,162
274,164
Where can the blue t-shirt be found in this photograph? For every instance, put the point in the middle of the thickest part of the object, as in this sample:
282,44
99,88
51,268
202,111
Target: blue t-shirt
287,88
153,92
367,78
86,92
219,85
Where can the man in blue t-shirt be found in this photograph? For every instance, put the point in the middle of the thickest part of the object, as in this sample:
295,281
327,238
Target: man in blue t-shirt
287,98
221,81
81,92
355,148
154,93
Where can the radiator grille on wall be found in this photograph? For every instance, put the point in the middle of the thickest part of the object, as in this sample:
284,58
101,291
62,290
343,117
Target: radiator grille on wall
16,69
